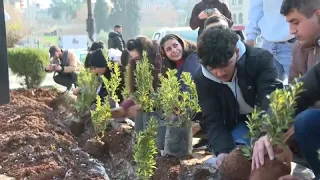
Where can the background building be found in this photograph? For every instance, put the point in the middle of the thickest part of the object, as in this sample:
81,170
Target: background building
239,10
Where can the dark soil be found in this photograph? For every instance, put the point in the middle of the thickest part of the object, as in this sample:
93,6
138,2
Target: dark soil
271,170
235,166
35,144
168,168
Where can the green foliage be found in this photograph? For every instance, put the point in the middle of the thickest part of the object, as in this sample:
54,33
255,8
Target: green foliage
143,83
58,8
145,149
183,104
254,124
247,152
113,83
102,9
88,83
127,14
14,33
29,63
283,107
100,116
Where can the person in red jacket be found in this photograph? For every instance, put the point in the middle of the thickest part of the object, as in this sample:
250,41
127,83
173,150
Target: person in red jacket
206,8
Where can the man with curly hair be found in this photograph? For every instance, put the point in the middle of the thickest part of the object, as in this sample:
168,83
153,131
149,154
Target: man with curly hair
304,19
233,78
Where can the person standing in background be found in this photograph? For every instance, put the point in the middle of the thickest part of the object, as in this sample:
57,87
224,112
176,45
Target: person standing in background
115,40
265,20
206,8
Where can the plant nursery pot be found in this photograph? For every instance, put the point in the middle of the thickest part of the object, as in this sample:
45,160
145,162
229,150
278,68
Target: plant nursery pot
178,141
235,166
271,170
146,118
161,134
138,122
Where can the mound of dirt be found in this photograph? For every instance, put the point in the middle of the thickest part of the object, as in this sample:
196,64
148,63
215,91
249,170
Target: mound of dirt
34,143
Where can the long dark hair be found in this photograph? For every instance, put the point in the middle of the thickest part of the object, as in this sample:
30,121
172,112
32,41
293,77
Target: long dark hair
188,48
140,44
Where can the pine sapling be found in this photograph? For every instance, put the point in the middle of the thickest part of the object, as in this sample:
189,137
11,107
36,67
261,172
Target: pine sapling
183,105
145,149
144,84
88,83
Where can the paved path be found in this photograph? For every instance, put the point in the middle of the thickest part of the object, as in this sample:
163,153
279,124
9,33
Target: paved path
15,81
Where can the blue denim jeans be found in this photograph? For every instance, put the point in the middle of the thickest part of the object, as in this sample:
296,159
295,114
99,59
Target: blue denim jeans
307,135
240,134
282,52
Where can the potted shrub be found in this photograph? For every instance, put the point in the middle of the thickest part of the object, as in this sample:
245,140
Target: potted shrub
237,165
102,114
143,92
282,106
145,149
88,84
178,107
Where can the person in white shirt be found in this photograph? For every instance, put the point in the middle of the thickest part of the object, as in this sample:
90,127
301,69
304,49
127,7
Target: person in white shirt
265,20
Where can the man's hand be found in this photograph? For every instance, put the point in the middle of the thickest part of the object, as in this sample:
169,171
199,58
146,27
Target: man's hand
203,15
50,68
261,147
132,111
57,68
251,42
288,177
216,12
76,91
220,159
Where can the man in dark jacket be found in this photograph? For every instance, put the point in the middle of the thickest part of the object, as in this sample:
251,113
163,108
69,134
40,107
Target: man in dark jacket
303,17
115,40
206,8
233,79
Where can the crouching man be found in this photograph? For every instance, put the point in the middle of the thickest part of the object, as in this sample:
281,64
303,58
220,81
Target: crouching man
64,64
233,78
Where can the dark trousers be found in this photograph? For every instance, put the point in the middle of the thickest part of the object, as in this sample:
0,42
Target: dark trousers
307,135
66,79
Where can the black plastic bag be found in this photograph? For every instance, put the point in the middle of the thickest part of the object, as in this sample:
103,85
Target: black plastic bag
178,141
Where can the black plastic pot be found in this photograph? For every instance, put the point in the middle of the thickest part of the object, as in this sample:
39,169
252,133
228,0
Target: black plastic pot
178,141
138,122
161,134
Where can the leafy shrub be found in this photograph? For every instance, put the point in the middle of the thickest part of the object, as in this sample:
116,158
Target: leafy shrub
100,116
173,101
29,63
88,83
143,83
145,150
114,82
278,121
